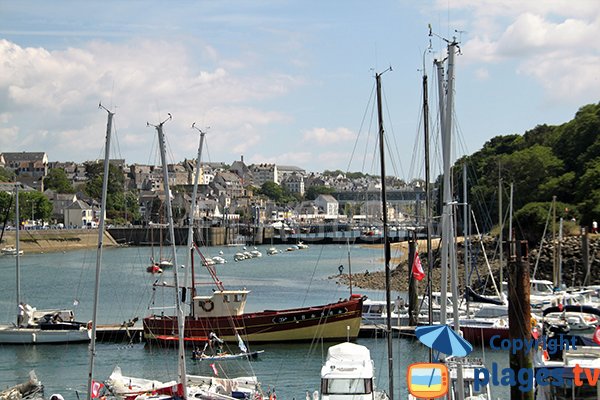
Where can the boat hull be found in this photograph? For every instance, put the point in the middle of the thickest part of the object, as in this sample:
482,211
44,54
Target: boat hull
477,334
335,321
12,335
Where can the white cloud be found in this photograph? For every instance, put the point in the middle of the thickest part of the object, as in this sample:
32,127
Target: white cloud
323,136
554,42
52,97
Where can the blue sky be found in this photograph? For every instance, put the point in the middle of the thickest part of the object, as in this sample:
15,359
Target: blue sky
288,82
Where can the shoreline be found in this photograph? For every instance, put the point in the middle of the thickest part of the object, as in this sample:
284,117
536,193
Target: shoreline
55,240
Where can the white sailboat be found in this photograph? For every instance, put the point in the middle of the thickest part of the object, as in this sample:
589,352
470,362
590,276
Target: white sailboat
186,386
40,326
348,372
461,370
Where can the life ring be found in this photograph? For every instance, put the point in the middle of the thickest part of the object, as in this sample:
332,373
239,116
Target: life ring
207,305
89,325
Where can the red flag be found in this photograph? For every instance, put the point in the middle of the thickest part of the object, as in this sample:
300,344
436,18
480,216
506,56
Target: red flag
597,335
214,369
96,386
417,268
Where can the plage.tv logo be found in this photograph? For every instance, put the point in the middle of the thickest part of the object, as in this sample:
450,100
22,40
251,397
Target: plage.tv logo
431,380
427,380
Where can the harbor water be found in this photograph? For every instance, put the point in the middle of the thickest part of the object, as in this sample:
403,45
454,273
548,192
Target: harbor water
285,280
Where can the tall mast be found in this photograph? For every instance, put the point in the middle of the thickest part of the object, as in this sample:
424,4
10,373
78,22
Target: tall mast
178,306
500,236
190,238
92,347
448,200
466,239
386,242
555,277
446,196
427,199
17,240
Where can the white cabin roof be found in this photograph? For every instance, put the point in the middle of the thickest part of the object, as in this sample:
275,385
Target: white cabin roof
347,360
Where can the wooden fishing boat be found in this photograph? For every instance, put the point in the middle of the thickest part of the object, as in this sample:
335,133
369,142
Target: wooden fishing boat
222,312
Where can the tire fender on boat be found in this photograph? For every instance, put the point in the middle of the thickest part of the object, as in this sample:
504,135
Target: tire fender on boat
207,305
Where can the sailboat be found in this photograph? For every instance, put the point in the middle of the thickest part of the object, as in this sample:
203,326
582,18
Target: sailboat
215,344
202,387
40,326
348,372
461,370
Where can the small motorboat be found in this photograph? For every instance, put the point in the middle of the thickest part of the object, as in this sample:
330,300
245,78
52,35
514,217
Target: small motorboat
200,356
154,269
215,348
11,251
255,253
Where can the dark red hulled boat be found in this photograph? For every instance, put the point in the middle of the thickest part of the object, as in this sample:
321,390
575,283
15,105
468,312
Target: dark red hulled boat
223,313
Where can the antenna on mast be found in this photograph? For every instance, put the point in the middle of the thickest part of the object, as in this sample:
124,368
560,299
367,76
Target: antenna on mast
104,108
200,130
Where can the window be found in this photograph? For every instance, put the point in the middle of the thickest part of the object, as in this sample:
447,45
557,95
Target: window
346,386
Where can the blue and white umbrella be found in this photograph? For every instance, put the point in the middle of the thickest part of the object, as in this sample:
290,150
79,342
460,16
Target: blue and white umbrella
443,339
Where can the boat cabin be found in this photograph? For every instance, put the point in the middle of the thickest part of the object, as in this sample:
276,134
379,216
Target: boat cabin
348,373
221,303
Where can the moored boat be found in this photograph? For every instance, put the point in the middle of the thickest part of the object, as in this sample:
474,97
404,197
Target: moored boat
348,373
222,312
40,326
30,389
11,251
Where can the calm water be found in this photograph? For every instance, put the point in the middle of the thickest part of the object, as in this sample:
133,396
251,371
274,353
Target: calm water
289,279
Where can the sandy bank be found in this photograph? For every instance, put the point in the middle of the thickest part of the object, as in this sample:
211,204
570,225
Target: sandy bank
44,241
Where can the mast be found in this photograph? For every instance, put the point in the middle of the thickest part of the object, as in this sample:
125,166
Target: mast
386,242
190,238
92,347
555,276
448,240
349,266
466,239
446,187
17,240
427,200
178,306
500,237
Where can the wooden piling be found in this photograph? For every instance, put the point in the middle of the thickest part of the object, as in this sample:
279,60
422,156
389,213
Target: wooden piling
519,313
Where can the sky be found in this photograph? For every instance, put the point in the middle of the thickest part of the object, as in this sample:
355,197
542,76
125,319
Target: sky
286,82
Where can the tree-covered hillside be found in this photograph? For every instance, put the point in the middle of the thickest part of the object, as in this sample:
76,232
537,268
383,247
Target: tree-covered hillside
546,161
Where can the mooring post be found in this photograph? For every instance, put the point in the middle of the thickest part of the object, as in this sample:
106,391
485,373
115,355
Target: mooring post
519,313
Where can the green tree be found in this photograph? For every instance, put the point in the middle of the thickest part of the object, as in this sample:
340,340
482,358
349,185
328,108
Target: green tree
6,207
528,169
57,180
579,140
6,175
272,190
533,217
34,206
95,174
314,191
333,173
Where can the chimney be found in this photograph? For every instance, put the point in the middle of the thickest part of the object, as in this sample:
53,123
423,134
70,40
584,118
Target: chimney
242,158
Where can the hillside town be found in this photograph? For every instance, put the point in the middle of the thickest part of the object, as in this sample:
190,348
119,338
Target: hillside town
228,193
